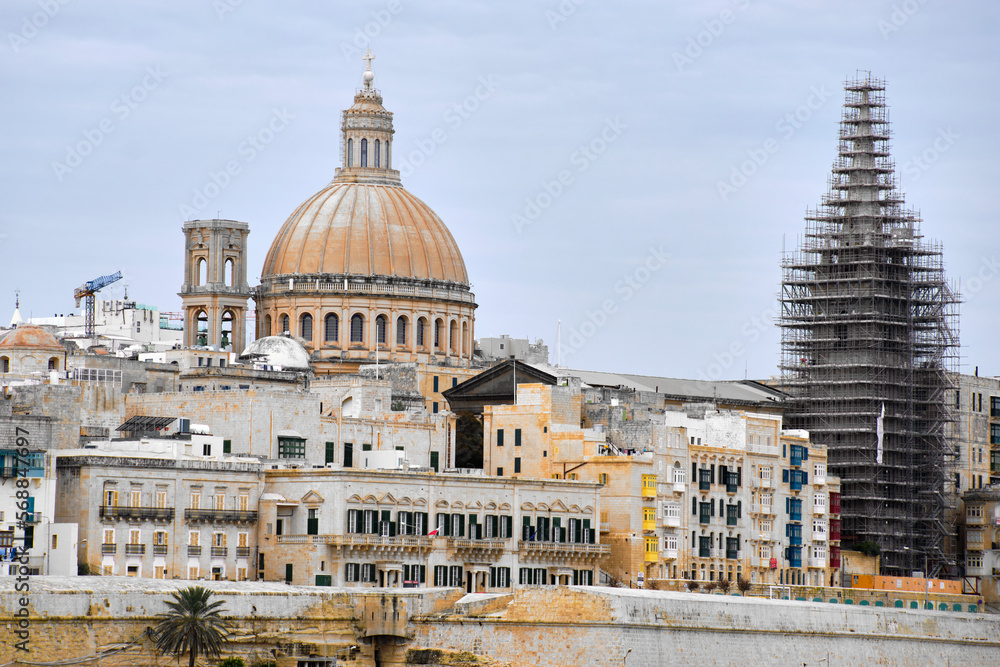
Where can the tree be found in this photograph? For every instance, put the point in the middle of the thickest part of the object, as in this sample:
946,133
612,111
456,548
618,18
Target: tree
724,585
710,586
192,625
692,585
743,584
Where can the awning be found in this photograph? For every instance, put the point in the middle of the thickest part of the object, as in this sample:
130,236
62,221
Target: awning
144,423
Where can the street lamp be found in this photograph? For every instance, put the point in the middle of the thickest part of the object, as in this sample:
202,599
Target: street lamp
625,656
926,581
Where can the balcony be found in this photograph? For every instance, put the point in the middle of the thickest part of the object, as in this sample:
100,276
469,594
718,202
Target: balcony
220,516
160,549
819,537
648,525
732,520
817,562
704,485
760,509
109,548
164,514
652,556
762,483
605,526
194,550
819,480
795,516
704,552
220,552
135,549
974,542
563,548
460,544
764,537
680,487
704,518
795,540
819,509
671,521
764,562
243,552
975,571
649,492
669,554
732,554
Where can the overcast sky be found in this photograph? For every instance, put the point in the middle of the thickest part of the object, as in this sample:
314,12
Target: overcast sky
586,154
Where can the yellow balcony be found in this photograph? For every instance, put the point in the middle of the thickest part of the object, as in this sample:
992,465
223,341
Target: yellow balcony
649,524
649,486
652,556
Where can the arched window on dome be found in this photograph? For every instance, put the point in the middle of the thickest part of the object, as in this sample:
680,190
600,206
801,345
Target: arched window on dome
381,324
388,154
331,328
453,336
306,327
401,330
357,328
422,332
284,324
267,325
202,271
4,365
54,364
230,273
364,152
378,146
350,152
465,337
438,334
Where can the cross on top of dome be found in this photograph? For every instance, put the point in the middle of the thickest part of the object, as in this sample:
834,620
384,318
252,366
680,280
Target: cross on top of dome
369,76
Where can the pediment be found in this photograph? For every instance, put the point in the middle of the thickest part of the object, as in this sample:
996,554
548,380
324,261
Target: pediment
312,498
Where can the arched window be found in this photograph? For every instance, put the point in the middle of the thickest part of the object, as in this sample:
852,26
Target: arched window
54,364
202,272
364,152
227,330
453,336
306,327
388,154
284,324
350,152
201,327
267,325
230,273
331,328
378,146
421,332
357,328
4,365
401,330
381,324
465,337
438,332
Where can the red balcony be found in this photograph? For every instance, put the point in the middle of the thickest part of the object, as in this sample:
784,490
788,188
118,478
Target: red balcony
835,557
834,503
834,529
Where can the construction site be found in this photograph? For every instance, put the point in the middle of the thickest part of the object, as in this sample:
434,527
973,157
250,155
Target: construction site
869,334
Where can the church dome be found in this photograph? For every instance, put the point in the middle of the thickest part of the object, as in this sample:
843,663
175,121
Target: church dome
30,337
359,228
282,351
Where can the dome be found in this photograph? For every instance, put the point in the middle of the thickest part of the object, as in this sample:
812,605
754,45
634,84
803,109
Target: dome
31,337
283,351
352,228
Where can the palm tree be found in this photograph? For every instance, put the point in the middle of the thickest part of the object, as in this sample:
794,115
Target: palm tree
192,625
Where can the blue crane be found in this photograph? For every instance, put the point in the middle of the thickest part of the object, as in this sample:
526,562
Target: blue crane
87,291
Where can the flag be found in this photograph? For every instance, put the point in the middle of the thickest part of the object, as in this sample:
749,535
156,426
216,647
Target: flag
879,432
433,533
532,535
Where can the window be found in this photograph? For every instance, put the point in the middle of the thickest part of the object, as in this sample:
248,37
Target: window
227,446
350,152
602,478
378,147
267,325
819,470
348,454
380,326
499,437
973,561
284,324
500,471
517,465
517,437
291,448
357,328
4,365
765,500
364,152
671,511
195,500
401,331
434,407
194,538
306,327
680,477
974,511
436,384
819,552
764,551
819,500
421,332
331,328
499,577
765,525
109,536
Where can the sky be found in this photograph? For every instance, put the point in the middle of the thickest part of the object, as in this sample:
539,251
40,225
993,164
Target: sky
631,169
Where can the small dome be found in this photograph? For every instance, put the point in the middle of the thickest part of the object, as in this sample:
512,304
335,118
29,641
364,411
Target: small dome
283,351
30,337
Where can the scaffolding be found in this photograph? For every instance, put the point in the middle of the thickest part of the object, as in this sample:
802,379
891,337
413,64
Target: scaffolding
870,328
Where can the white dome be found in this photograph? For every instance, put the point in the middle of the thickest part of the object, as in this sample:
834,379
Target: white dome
283,351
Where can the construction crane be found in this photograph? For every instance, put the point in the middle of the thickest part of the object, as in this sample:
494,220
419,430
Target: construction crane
87,291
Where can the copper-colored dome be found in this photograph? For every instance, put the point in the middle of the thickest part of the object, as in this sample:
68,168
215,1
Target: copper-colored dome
30,337
365,229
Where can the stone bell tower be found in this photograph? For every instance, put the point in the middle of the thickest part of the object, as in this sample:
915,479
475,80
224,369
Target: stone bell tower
215,289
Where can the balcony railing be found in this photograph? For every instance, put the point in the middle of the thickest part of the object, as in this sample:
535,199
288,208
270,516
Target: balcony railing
220,552
160,549
194,550
140,513
652,556
648,525
671,521
974,520
819,480
732,554
477,545
817,562
220,516
731,488
669,554
564,547
109,548
760,509
135,549
819,537
819,509
680,487
732,520
243,552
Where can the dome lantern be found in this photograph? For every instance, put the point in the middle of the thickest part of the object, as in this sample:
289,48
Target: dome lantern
366,136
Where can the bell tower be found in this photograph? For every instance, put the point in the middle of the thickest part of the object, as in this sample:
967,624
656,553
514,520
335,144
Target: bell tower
215,289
